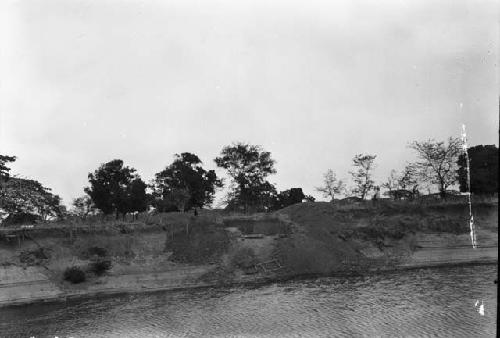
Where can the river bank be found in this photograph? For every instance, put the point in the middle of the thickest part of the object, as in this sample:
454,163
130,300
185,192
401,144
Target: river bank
311,239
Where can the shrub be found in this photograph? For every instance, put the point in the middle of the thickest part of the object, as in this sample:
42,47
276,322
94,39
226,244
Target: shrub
100,266
21,218
74,275
34,257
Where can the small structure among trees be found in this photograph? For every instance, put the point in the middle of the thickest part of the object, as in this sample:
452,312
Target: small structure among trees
288,197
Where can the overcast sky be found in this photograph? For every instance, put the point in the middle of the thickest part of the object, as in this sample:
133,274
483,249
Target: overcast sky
313,82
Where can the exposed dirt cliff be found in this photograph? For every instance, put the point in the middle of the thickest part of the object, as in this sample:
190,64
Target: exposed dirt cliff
170,251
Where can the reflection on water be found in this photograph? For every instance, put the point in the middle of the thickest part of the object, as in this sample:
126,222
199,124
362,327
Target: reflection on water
425,302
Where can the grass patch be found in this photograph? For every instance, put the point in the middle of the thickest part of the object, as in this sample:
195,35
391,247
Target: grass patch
244,258
197,242
118,245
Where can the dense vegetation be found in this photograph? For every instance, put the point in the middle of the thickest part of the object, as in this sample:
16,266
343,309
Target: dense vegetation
117,189
25,199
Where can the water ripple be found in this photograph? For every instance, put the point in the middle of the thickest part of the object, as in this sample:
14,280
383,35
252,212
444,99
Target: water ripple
417,303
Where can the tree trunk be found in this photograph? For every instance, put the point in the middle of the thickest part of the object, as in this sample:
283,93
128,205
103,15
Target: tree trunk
442,190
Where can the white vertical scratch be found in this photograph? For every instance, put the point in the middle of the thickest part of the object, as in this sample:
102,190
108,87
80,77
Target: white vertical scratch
471,218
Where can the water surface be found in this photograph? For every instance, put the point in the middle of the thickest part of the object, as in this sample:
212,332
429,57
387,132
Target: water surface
424,302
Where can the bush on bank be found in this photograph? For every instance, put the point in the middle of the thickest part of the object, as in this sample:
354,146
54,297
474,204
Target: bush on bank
100,266
74,275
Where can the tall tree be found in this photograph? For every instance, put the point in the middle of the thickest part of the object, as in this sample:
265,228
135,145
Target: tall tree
483,169
112,187
248,166
185,180
438,162
362,175
137,196
4,169
331,185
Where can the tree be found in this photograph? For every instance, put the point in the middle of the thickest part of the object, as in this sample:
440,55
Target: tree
179,197
185,176
483,169
362,176
438,162
25,196
248,166
137,196
410,179
117,189
331,185
4,170
83,206
404,185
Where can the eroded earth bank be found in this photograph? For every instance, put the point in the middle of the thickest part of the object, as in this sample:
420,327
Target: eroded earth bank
180,250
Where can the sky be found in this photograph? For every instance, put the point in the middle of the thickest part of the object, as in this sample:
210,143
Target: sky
313,82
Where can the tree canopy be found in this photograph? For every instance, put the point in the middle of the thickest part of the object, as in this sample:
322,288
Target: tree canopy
20,196
115,188
248,166
438,162
362,175
331,185
83,206
4,169
185,184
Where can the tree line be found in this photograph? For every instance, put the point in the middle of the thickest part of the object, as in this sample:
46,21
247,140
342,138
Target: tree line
439,164
184,184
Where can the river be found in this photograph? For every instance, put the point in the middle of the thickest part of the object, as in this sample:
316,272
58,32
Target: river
424,302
